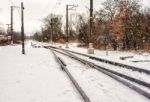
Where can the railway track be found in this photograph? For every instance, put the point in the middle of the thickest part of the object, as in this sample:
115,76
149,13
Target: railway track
121,65
134,76
77,86
115,75
137,75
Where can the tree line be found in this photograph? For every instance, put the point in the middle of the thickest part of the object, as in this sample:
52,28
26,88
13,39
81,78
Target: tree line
5,36
123,24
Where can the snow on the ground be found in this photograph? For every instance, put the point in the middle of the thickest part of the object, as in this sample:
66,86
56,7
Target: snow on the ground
34,77
100,87
134,74
114,56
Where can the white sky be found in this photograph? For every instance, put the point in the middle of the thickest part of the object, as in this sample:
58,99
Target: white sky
35,10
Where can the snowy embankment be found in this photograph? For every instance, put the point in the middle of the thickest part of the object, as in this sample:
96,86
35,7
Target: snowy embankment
34,77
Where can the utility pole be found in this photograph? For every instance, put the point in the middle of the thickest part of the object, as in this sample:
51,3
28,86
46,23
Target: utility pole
42,34
67,26
8,27
22,27
51,31
68,7
11,24
91,20
11,30
42,31
91,49
8,30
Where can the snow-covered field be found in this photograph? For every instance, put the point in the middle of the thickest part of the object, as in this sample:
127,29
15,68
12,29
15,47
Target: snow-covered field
36,77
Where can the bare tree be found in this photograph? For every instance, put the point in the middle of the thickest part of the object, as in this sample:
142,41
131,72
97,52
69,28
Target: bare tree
110,6
53,23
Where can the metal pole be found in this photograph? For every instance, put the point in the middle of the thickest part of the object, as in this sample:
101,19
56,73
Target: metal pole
22,28
91,21
12,24
67,26
52,31
42,35
72,7
91,49
8,30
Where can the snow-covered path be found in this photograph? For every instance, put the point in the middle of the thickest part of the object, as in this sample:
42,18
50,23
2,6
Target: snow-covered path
34,77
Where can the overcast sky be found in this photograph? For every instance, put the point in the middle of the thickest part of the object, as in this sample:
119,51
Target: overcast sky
35,10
